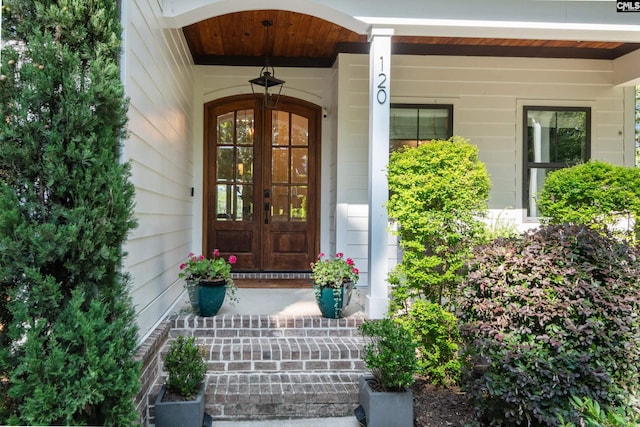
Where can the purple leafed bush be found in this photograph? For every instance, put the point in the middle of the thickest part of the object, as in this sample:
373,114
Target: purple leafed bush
550,315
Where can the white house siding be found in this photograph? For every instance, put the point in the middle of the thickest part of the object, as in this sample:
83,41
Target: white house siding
158,77
352,194
488,95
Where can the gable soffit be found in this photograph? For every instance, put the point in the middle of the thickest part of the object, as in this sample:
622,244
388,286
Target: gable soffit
312,35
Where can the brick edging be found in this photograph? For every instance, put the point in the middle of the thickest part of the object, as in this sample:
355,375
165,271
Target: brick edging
148,355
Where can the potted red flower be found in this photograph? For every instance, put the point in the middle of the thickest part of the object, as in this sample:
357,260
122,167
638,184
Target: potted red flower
208,282
334,280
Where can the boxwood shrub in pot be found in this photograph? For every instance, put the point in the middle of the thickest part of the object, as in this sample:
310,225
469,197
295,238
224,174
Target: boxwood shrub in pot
547,316
181,400
390,356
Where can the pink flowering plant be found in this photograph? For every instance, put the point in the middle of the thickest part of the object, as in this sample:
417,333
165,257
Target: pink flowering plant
334,272
197,268
338,274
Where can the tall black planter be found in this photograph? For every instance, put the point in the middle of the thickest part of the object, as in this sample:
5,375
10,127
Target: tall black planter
188,413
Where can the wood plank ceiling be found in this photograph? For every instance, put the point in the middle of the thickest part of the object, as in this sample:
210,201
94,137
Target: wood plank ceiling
299,40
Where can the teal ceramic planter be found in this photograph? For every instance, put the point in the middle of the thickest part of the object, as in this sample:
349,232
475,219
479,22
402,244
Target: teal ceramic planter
330,304
192,291
211,296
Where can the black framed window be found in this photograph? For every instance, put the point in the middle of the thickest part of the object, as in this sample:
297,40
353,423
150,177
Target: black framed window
554,138
414,124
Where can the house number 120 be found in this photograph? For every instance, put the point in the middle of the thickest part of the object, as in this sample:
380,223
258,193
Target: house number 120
382,84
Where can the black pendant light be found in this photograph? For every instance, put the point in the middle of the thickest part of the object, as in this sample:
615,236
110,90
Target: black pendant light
267,78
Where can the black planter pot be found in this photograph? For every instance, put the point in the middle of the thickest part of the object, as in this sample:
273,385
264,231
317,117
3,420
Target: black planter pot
384,409
188,413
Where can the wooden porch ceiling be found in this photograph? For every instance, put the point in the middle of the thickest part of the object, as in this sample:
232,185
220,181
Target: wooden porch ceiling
299,40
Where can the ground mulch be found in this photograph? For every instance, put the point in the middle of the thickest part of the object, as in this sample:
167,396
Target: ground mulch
440,406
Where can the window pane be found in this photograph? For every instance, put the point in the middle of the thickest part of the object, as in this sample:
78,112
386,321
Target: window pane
556,136
299,130
280,128
280,164
245,164
535,181
433,124
224,209
235,166
225,164
225,128
403,124
299,203
244,127
244,200
412,125
280,203
299,157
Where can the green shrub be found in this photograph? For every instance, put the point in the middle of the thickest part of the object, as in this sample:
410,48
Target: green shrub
597,194
550,315
436,332
438,192
592,415
389,353
185,366
68,334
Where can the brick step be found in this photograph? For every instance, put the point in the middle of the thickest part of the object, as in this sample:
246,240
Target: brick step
267,367
232,326
282,353
270,395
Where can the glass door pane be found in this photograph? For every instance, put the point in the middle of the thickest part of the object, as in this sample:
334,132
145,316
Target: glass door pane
235,166
289,166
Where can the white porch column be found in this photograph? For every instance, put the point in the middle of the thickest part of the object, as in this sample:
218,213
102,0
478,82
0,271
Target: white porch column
377,301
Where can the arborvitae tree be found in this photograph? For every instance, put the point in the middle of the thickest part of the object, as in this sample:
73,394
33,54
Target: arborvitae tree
67,324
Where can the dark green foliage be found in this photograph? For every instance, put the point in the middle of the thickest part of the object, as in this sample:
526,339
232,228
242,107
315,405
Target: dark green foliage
436,332
389,353
550,315
68,330
439,190
596,194
185,366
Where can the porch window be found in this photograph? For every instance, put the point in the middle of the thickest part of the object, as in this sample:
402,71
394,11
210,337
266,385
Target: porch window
554,138
411,125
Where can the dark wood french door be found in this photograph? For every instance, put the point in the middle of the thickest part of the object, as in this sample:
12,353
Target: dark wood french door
262,183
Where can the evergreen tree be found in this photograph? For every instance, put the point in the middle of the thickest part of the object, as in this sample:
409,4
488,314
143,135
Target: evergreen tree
67,324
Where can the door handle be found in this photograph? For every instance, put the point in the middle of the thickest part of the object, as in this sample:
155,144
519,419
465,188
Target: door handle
267,206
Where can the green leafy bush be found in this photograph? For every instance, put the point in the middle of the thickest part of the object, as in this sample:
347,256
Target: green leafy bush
547,316
596,194
436,332
185,366
592,415
438,193
389,353
68,334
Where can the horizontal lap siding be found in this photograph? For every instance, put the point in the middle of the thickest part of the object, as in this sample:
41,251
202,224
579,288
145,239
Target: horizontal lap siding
487,94
158,75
